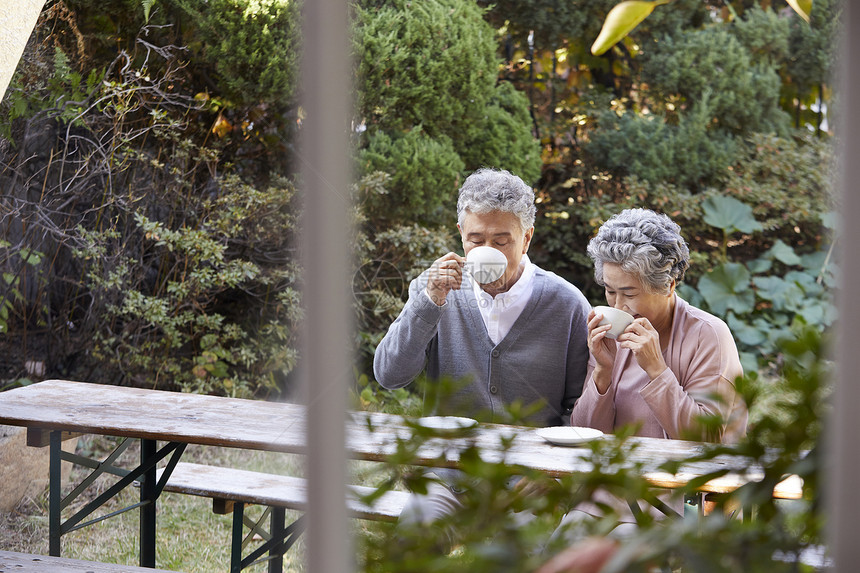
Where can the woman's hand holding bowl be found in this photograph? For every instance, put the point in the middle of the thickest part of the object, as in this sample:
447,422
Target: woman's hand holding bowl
644,341
602,348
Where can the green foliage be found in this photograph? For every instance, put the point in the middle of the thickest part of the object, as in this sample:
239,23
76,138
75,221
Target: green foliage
22,264
788,182
371,397
503,137
549,21
429,63
809,69
184,333
689,154
711,65
426,86
53,85
620,21
252,45
161,263
729,215
768,221
727,287
764,34
424,175
386,264
762,299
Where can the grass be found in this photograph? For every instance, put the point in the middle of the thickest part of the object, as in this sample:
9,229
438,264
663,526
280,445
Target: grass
190,537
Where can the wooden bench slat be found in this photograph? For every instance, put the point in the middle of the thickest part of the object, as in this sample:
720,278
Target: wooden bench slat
230,484
11,561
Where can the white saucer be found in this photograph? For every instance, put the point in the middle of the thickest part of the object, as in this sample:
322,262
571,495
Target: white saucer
446,424
568,435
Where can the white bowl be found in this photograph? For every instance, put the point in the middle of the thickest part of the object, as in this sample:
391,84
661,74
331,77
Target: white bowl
486,264
616,317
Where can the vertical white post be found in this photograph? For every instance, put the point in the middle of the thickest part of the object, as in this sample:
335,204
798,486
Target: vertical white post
326,86
17,20
843,454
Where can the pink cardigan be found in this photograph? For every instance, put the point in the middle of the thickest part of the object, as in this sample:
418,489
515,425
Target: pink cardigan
703,365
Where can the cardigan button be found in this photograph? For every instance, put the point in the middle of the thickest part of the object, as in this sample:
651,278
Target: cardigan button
495,353
494,390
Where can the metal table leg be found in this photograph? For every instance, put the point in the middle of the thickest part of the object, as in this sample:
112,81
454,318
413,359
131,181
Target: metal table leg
54,493
144,473
148,496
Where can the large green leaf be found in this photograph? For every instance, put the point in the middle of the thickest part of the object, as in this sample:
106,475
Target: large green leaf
817,313
783,253
759,266
690,294
806,281
147,7
784,294
745,333
620,21
802,7
830,219
727,287
729,214
815,261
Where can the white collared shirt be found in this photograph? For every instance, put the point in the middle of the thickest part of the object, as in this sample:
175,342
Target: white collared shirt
500,312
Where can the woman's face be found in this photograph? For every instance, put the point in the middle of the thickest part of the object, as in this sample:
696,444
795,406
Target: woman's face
625,291
501,231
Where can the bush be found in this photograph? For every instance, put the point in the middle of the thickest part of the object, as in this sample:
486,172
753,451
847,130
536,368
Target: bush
253,48
424,63
688,154
424,173
153,261
430,68
742,91
502,137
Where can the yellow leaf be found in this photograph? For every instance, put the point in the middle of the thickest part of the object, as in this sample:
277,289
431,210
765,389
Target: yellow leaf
222,127
802,7
620,21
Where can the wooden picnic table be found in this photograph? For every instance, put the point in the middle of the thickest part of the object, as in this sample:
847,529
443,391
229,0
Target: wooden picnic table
55,409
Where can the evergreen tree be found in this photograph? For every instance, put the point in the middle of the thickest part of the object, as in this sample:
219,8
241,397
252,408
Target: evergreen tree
431,107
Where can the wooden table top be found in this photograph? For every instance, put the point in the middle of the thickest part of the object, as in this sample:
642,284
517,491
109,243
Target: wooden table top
280,427
154,414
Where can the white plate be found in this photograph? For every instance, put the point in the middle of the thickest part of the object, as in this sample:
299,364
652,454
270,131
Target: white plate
446,424
568,435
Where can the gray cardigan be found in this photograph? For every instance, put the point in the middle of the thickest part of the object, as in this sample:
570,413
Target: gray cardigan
540,363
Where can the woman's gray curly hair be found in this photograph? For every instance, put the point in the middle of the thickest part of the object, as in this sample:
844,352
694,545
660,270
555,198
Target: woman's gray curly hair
488,190
644,243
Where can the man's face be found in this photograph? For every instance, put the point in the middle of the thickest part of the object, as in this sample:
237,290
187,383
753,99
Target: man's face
501,231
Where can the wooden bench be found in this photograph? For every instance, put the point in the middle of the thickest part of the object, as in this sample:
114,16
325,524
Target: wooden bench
12,562
232,489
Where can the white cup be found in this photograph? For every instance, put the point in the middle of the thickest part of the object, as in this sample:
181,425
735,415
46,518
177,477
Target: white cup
616,317
486,264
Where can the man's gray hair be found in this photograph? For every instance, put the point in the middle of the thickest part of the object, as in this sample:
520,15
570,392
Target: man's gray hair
488,190
643,243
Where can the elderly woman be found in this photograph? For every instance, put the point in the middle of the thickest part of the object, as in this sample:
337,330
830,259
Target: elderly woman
675,365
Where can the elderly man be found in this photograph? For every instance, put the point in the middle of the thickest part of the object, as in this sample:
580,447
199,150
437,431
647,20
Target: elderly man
520,339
